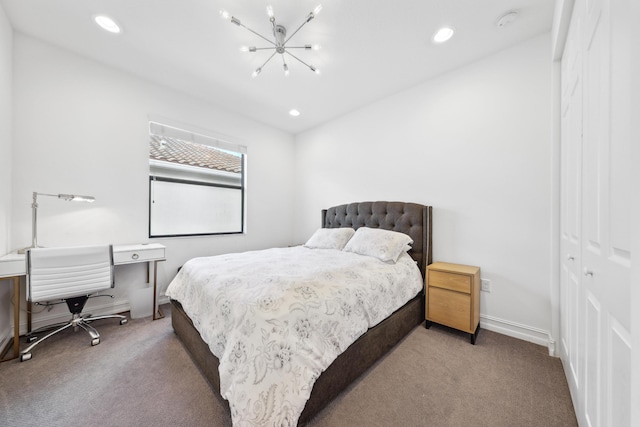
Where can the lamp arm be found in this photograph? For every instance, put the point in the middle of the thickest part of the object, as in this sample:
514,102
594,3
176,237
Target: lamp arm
34,210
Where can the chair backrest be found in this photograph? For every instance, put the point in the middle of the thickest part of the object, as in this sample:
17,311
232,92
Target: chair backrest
67,272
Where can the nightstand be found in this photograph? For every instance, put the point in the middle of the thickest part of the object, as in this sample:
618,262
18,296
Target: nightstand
453,297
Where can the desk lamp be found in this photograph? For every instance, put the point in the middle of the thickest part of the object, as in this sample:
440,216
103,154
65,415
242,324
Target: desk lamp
34,213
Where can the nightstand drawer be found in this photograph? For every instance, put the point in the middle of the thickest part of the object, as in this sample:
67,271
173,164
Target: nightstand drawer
450,309
453,281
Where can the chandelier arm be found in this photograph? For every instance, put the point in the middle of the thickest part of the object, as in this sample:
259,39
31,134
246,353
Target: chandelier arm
298,59
265,48
298,47
294,33
265,62
257,34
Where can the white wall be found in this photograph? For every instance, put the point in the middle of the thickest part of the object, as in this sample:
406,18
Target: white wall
81,127
635,213
6,43
473,143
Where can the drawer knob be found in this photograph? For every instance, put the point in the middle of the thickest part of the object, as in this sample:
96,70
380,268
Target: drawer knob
570,257
135,256
588,272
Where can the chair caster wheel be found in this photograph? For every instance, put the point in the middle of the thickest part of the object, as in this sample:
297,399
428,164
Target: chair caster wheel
25,356
31,339
95,341
123,321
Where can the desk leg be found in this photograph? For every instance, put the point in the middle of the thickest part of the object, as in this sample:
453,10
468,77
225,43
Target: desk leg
29,313
15,342
157,312
16,317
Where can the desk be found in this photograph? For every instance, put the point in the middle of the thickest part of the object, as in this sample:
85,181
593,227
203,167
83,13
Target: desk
13,266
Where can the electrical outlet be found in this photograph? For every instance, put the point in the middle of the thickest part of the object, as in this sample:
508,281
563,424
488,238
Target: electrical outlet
486,285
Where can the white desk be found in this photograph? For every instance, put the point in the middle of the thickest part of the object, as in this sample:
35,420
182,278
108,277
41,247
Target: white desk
13,266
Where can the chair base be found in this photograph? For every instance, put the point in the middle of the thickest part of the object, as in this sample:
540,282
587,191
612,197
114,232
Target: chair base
77,320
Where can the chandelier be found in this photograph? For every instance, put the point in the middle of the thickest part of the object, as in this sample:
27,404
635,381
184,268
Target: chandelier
279,43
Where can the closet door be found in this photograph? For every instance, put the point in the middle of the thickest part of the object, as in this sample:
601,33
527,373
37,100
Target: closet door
571,207
595,282
606,190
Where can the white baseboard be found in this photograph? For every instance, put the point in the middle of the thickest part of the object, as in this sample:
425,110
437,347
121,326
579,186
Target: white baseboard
520,331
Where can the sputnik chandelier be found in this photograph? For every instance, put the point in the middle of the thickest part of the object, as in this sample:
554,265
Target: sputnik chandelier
280,40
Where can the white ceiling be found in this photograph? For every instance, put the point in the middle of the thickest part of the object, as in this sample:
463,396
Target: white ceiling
370,48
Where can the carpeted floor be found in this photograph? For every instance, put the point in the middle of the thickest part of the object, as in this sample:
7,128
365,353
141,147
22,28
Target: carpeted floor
140,375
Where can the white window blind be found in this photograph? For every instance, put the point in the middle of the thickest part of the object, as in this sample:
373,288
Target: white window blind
196,183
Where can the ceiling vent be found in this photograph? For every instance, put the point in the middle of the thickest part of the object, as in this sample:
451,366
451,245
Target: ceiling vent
507,19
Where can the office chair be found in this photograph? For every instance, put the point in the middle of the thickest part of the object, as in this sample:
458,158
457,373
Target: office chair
71,275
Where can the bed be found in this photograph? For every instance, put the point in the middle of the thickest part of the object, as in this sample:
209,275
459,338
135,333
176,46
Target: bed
413,220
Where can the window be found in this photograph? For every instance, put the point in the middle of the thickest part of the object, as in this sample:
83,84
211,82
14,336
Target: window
196,183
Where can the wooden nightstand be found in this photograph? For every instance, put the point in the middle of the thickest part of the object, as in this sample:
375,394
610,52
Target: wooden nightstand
453,297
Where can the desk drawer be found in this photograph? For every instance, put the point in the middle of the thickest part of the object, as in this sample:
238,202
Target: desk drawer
138,255
453,281
12,266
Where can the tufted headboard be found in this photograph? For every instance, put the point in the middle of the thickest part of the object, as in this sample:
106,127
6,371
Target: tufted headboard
408,218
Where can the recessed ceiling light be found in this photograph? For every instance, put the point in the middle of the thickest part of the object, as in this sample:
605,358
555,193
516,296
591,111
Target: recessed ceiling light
107,24
443,34
294,113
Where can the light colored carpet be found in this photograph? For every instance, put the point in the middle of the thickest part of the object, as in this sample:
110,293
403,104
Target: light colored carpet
140,375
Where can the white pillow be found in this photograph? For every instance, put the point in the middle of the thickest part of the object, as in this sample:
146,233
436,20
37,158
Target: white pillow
330,238
386,245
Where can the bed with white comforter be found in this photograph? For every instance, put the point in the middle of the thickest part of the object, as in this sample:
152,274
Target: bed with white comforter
277,318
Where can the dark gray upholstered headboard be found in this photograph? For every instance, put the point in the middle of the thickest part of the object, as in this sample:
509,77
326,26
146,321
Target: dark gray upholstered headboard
408,218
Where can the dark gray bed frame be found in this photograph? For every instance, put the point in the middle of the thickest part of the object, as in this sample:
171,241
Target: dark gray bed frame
409,218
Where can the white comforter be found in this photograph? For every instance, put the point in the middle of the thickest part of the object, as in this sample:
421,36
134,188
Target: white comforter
277,318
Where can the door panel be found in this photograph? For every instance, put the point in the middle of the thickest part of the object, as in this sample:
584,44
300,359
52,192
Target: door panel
618,369
571,305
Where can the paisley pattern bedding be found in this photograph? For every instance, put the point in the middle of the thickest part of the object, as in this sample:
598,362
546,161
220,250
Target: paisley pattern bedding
277,318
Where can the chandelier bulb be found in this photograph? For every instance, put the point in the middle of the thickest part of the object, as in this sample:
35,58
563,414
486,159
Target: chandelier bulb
286,70
270,11
256,72
317,10
316,47
228,17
